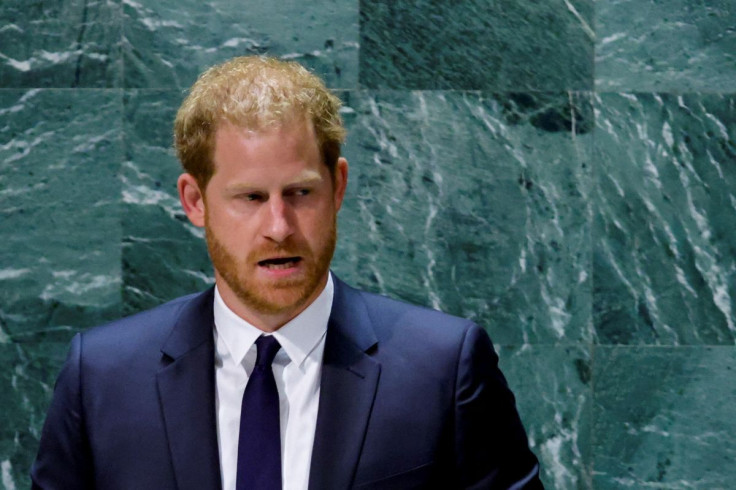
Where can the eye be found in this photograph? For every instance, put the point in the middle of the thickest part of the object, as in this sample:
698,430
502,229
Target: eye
252,196
299,192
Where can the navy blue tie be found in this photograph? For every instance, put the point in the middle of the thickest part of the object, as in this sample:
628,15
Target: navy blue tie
259,442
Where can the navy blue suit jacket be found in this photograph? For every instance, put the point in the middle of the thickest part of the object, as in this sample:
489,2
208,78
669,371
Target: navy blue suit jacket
410,398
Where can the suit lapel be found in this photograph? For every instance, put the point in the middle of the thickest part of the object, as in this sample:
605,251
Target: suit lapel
186,387
347,390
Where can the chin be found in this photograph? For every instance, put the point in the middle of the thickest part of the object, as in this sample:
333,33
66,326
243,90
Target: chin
279,299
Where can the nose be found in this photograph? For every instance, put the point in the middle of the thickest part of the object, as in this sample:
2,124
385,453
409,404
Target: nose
278,224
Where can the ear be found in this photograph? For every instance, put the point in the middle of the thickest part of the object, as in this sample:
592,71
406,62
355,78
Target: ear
341,181
192,199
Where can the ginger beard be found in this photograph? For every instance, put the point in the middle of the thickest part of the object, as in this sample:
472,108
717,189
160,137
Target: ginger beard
278,295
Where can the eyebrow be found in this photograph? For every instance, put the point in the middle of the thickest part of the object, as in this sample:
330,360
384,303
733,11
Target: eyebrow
310,177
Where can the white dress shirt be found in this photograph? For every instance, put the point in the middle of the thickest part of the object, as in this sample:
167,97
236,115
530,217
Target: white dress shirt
296,368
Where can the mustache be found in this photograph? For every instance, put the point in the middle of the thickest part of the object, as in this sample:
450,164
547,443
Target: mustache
265,253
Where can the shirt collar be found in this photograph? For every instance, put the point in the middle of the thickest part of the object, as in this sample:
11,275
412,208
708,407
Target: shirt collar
298,337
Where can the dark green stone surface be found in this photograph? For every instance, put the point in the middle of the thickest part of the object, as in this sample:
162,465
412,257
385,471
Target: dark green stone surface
27,376
60,259
59,203
665,46
474,204
163,255
62,43
477,44
553,386
169,42
590,233
665,219
664,417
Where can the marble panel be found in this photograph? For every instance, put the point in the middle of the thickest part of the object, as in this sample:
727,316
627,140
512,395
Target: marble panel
473,204
65,43
665,46
663,417
665,223
553,391
169,42
27,376
59,204
477,44
164,256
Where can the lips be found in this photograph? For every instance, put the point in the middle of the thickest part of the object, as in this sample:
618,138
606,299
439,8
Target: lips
279,263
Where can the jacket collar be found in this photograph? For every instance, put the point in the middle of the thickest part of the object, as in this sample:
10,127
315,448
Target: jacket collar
348,387
186,386
193,326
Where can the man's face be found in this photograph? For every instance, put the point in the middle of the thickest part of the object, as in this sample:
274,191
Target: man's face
270,214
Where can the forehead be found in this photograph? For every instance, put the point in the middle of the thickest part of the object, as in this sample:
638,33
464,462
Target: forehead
290,148
277,139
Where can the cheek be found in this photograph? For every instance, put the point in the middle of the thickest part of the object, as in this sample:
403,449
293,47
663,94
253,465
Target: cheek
231,216
226,227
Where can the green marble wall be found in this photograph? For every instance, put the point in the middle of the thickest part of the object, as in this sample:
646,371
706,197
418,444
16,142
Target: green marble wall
561,171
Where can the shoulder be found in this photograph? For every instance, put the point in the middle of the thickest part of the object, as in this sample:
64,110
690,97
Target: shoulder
412,327
140,333
392,311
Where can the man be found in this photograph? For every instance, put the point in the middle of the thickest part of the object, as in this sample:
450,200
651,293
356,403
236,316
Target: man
281,376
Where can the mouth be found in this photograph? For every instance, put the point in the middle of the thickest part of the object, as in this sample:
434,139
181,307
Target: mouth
280,263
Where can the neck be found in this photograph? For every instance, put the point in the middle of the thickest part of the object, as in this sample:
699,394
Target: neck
267,321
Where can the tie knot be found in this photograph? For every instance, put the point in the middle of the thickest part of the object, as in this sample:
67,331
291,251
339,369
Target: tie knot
267,347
